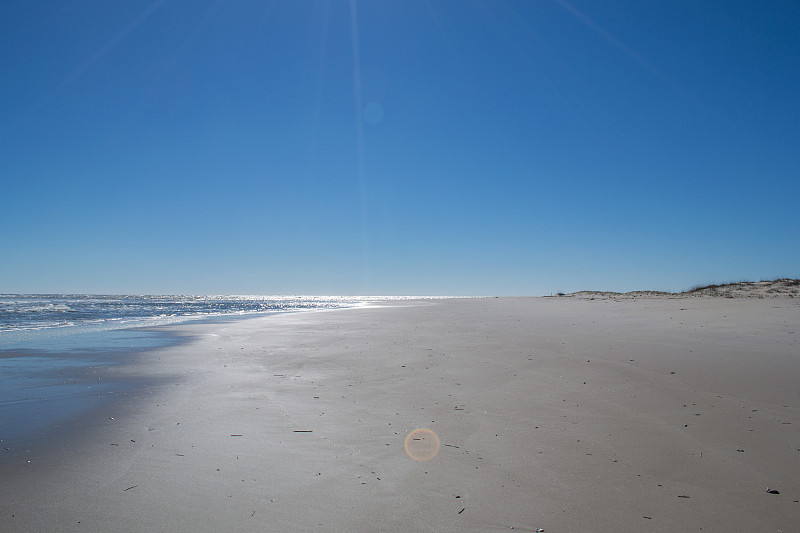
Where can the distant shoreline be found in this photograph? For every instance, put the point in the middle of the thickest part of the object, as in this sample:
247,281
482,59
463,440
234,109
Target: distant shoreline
778,288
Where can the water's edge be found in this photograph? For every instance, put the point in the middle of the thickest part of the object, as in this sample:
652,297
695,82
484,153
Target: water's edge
46,391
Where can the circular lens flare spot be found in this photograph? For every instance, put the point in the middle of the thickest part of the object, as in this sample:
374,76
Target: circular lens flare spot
422,444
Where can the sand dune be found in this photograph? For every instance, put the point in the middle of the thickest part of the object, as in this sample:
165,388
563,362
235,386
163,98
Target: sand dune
779,288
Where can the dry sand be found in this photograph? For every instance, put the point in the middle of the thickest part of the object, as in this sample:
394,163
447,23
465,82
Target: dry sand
560,414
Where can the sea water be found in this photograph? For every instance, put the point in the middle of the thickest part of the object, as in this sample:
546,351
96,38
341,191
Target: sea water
56,349
35,312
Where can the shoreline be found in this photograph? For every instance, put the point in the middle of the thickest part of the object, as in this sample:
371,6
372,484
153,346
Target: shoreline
55,377
63,379
554,413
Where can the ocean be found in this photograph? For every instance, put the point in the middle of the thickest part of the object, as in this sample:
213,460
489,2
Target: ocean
29,312
56,349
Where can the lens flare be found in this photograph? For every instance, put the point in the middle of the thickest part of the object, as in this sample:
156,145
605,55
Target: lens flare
422,444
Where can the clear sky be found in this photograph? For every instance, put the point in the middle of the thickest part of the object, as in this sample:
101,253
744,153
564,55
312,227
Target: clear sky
456,147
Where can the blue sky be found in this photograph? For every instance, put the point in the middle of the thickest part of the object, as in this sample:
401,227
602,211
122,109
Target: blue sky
397,147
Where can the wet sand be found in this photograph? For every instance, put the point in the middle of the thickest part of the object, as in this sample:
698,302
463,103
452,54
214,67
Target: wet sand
561,414
51,379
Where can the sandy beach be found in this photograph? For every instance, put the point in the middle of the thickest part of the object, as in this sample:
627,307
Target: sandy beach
591,413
